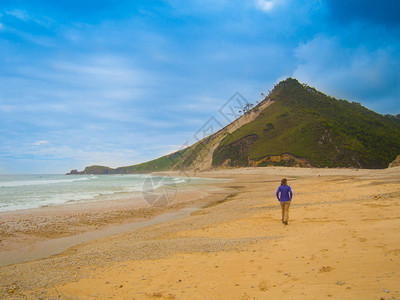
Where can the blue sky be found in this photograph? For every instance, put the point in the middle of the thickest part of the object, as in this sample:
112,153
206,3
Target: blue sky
122,82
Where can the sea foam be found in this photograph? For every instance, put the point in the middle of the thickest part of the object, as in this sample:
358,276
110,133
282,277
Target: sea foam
19,192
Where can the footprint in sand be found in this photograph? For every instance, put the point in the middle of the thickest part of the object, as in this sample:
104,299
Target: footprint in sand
325,269
395,252
294,279
263,285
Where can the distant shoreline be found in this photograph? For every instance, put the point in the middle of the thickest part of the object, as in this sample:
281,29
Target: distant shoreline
31,191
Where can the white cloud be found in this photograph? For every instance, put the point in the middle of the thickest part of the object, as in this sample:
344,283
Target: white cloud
265,5
7,108
356,74
100,87
26,17
269,5
19,14
101,72
38,143
109,155
169,149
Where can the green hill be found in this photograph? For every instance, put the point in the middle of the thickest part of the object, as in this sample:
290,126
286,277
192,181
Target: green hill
295,125
311,125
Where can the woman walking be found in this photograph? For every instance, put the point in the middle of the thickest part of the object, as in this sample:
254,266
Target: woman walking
284,195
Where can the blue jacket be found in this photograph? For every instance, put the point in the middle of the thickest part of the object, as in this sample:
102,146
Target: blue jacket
285,192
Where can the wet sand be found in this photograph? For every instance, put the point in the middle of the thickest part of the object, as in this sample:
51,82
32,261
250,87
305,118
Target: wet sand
342,241
38,233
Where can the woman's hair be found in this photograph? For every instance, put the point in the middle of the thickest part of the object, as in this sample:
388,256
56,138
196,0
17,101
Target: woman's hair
284,181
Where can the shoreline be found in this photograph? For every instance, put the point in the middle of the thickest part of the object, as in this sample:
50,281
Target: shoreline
341,242
37,233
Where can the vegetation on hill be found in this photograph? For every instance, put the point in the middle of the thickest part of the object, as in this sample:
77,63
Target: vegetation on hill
303,127
309,124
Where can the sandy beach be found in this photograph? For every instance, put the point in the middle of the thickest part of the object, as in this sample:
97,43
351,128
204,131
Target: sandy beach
228,242
39,233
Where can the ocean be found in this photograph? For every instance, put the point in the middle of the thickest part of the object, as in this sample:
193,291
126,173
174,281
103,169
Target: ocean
19,192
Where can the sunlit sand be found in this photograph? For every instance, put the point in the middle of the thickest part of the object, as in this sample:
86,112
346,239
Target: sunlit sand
342,241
